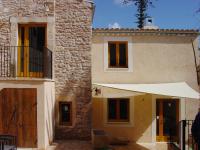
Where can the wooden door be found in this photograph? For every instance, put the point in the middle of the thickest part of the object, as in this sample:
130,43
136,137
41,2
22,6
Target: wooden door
167,117
19,111
8,112
32,40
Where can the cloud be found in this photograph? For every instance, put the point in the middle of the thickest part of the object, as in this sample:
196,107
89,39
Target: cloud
121,3
114,26
118,1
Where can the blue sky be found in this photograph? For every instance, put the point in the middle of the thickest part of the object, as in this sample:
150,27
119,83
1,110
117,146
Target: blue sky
167,14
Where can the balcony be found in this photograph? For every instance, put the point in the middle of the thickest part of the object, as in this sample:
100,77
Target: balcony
25,61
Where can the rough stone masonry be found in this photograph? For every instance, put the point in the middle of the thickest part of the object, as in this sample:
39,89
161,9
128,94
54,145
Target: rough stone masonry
73,64
72,55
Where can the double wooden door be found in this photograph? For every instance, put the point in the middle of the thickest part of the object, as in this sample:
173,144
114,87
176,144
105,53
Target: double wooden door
18,115
32,40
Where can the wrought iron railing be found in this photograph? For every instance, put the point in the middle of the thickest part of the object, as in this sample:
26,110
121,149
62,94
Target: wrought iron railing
8,142
185,140
24,61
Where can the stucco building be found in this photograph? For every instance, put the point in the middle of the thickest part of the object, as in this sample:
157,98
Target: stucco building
137,75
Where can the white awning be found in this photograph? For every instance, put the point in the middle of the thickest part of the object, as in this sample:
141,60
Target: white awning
181,89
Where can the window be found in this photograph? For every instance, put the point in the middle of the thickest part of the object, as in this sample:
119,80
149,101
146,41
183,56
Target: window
65,109
118,54
118,110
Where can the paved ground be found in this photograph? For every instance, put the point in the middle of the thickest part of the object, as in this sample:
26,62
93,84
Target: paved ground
85,145
71,145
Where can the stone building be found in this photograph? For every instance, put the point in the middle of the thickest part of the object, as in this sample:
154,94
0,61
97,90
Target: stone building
45,70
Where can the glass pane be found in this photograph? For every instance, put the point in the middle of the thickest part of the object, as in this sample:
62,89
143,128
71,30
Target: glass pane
112,109
122,55
37,37
22,31
169,118
36,43
112,49
65,112
157,117
22,36
124,109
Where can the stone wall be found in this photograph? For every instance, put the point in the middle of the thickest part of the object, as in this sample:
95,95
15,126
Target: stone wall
21,8
73,65
72,53
16,9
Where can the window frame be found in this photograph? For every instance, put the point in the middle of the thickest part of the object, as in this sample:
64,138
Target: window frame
60,114
118,54
118,119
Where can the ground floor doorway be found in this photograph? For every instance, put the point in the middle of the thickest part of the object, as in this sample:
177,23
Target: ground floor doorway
167,117
18,115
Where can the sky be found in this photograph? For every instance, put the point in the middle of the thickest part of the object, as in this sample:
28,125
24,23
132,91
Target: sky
167,14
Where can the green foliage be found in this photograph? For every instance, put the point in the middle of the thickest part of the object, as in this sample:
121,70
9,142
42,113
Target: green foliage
142,6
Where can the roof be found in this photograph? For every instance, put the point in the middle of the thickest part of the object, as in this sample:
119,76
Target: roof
188,32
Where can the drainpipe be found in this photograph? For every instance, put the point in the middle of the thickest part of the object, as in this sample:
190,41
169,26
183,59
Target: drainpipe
195,65
93,7
195,61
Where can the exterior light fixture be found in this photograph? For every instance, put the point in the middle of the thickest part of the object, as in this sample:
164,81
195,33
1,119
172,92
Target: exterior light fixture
46,6
49,6
97,91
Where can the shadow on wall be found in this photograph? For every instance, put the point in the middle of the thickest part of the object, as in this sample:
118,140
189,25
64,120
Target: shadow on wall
134,146
139,131
139,134
50,111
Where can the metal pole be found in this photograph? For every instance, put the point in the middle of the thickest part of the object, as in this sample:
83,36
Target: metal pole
183,125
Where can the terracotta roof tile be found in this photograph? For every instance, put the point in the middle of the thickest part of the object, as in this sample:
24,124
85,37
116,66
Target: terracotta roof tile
134,30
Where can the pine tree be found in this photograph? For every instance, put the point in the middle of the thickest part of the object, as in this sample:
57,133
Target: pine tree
142,6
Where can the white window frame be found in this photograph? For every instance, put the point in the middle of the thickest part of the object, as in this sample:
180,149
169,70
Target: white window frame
130,54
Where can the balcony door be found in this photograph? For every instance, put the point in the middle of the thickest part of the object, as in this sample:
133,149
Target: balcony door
167,112
32,40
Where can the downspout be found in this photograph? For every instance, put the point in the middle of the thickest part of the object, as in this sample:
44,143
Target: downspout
93,7
195,61
195,65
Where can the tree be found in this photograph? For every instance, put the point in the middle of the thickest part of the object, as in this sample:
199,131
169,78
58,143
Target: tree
142,6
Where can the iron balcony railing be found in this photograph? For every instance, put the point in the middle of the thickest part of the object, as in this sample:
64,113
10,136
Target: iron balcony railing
25,61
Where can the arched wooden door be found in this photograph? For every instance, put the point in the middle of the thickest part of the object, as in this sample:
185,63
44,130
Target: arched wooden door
18,113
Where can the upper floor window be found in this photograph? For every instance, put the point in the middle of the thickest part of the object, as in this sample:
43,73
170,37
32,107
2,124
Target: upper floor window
118,54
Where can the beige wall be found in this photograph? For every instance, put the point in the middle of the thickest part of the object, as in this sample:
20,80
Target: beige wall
49,104
139,127
155,59
45,107
142,125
